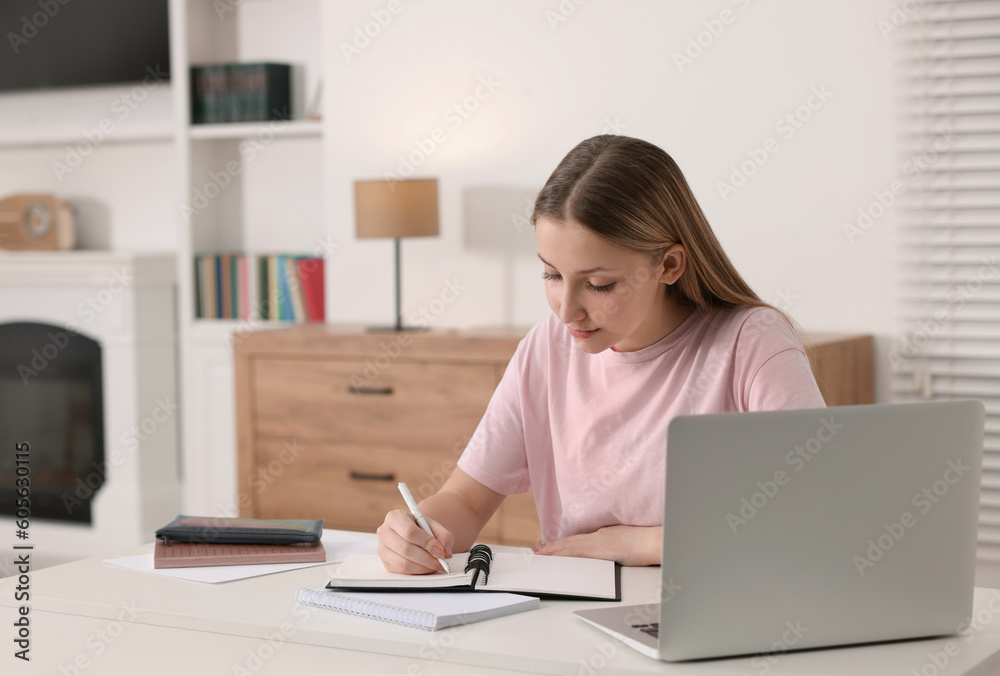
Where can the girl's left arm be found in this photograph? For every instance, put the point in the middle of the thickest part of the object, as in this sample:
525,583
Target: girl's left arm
628,545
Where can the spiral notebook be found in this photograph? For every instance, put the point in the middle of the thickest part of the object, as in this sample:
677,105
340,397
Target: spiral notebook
421,611
516,570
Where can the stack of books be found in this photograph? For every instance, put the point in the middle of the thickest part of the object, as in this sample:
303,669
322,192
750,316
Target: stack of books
240,92
279,287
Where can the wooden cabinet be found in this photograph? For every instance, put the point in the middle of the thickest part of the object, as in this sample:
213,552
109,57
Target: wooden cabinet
844,366
329,418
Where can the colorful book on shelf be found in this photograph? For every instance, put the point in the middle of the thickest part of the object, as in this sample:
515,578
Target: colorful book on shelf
517,570
280,287
420,611
296,302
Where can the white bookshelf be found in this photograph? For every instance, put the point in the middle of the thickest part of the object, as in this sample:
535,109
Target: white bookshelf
242,130
272,204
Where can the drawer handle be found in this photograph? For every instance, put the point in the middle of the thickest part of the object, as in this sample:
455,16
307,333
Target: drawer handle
353,389
367,476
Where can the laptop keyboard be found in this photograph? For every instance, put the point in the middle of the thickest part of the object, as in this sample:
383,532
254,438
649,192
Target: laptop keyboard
653,629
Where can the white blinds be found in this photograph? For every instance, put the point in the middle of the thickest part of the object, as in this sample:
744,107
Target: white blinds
949,58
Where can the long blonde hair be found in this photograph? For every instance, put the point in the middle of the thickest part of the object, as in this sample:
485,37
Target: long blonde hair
632,193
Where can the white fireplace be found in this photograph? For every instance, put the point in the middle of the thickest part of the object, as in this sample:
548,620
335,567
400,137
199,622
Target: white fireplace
126,302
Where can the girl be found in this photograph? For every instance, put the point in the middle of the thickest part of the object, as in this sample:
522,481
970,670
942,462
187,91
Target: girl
650,320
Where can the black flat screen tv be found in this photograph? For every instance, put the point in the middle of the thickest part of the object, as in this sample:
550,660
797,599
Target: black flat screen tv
74,43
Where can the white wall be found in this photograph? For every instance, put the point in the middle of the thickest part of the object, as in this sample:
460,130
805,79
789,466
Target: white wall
610,66
107,150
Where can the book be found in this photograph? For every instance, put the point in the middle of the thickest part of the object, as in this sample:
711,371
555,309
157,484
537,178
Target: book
240,92
421,611
225,288
273,287
199,284
199,554
281,287
516,570
240,530
208,275
295,290
311,274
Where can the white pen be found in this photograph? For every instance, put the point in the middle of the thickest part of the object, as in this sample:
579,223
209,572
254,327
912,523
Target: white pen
420,518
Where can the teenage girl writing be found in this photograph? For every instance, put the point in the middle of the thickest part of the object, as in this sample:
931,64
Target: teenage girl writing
650,320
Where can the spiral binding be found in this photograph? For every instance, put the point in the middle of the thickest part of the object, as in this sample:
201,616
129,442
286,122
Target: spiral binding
371,609
480,560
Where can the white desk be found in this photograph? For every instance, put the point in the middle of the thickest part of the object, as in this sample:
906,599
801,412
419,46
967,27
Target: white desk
109,620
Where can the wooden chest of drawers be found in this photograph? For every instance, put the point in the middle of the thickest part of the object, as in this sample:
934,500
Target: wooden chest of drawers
330,418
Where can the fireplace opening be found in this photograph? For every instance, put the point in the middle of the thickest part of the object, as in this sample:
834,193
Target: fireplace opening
51,396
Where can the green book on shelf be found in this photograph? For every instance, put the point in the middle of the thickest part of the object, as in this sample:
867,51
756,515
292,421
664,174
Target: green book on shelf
199,306
263,288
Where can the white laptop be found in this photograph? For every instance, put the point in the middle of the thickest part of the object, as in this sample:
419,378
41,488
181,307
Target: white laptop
785,530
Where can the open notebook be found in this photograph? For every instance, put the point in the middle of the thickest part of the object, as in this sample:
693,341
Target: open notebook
519,571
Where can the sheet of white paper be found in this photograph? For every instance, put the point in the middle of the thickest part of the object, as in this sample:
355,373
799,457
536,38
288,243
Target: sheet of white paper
338,545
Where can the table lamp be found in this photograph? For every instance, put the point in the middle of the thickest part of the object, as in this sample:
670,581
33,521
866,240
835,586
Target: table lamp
397,209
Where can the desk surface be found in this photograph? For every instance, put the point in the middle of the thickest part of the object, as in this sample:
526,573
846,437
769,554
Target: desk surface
93,613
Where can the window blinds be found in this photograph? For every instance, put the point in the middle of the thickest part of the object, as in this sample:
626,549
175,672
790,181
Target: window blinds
949,214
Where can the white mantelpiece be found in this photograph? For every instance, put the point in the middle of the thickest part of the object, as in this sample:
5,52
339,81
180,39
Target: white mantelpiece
126,302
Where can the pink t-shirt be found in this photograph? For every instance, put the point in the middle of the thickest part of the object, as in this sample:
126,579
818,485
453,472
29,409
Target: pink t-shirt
588,432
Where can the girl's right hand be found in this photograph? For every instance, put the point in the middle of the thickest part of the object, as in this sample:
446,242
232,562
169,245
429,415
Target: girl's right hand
404,547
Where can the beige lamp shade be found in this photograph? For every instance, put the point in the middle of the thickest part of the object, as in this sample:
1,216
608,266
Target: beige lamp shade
396,208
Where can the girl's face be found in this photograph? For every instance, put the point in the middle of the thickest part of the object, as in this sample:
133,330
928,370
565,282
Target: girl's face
607,296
